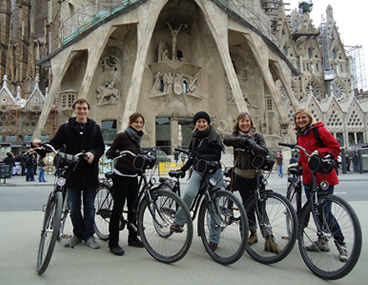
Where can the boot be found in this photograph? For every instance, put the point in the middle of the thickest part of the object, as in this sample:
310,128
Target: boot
271,245
252,238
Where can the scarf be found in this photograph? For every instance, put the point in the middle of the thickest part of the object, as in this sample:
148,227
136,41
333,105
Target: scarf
210,132
135,136
251,134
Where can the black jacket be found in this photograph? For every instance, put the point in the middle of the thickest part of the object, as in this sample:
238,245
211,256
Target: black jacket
85,175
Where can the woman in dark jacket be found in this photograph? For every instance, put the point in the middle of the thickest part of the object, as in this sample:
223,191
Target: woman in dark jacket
125,181
205,144
247,138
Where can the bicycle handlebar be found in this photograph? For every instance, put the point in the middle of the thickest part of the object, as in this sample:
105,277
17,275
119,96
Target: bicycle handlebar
293,145
182,150
49,148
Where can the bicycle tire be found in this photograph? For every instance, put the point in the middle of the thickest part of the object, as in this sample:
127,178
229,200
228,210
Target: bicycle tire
50,231
229,213
63,219
159,212
326,265
279,215
103,204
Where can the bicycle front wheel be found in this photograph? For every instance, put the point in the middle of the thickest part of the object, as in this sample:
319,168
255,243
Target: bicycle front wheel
154,220
103,205
324,258
277,227
50,231
225,220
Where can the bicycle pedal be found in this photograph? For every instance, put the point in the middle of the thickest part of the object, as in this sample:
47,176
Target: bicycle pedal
44,208
67,236
285,237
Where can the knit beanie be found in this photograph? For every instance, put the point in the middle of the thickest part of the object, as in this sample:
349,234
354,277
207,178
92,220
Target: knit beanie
201,115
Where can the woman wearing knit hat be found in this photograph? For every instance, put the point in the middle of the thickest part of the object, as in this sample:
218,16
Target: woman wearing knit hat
245,136
205,144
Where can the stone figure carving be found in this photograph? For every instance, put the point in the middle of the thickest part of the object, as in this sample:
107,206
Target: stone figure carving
156,83
107,94
170,83
163,52
110,63
178,84
248,102
174,33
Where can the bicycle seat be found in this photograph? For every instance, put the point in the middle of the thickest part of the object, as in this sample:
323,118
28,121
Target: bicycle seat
296,170
177,174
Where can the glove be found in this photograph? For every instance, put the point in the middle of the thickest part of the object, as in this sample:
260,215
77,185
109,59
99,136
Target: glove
293,165
249,143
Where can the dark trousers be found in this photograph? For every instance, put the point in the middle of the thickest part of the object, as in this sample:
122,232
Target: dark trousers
123,188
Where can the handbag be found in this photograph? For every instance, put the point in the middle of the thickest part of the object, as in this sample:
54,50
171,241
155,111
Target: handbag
231,172
44,168
232,185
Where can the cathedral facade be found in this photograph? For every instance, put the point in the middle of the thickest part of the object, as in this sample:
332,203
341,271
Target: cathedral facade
168,59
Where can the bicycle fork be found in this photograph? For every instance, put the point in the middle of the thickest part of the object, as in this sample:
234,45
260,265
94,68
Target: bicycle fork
260,209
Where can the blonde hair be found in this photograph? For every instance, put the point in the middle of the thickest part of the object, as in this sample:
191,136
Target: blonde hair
240,117
312,120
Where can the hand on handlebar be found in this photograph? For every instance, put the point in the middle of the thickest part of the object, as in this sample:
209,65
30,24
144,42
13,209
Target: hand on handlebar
249,143
90,157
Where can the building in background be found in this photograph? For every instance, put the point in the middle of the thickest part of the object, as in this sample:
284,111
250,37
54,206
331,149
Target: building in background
170,59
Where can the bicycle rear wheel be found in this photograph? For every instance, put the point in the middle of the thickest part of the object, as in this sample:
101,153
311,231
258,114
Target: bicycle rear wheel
276,221
154,220
50,231
226,215
326,263
103,205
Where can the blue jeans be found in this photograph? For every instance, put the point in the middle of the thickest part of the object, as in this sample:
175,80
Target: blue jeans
29,174
279,170
82,224
331,221
190,194
41,176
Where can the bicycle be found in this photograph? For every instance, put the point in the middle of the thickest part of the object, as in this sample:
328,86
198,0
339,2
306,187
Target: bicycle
56,209
215,208
273,213
332,217
154,211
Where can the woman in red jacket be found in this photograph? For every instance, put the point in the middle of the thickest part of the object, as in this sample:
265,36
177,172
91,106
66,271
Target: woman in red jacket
304,124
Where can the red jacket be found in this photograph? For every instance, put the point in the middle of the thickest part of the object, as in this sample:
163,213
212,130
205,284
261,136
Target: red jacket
307,140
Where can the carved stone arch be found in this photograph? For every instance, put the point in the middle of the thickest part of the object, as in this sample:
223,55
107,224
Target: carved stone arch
334,119
355,119
316,112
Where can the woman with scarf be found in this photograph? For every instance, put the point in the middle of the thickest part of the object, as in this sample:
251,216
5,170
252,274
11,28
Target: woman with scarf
248,139
305,125
205,144
125,181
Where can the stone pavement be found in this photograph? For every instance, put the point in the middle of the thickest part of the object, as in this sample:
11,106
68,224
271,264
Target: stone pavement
20,231
21,180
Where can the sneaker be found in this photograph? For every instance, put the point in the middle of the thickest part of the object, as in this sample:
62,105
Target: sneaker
271,245
213,246
73,242
253,238
117,250
135,242
176,228
92,243
319,245
343,252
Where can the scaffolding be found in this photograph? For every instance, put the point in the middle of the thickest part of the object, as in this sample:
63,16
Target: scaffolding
89,16
358,67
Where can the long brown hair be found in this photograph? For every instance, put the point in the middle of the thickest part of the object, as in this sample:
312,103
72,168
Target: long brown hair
240,117
133,117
